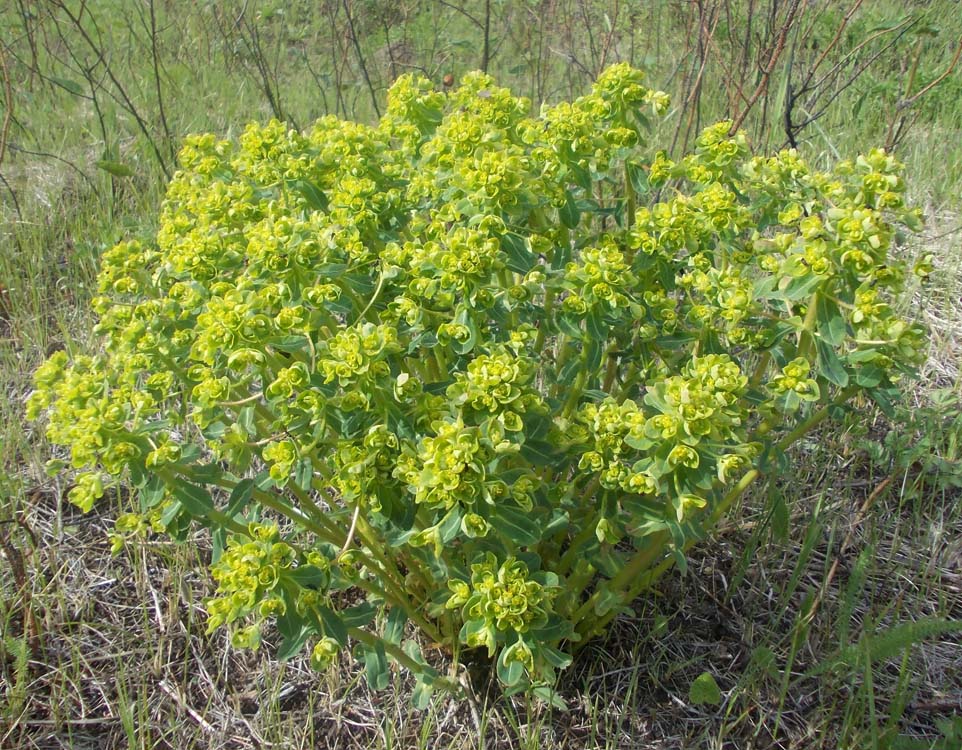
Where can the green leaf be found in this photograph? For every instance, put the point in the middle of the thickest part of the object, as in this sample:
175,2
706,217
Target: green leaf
559,522
607,601
218,543
171,512
239,497
540,452
304,473
394,627
195,499
206,473
675,529
291,344
359,615
309,576
579,175
549,695
152,492
596,326
421,694
642,119
450,525
116,168
509,674
376,668
885,398
704,690
571,326
830,365
518,257
246,420
680,560
554,657
869,376
294,630
426,676
291,645
517,525
831,323
802,286
561,256
313,195
329,271
556,629
860,356
333,625
569,213
638,177
263,481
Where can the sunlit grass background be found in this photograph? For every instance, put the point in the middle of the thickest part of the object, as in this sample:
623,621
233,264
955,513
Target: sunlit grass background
825,611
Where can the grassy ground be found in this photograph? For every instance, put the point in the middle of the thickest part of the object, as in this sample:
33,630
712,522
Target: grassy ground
813,609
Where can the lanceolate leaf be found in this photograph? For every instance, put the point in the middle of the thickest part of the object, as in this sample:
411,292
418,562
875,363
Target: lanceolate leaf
195,499
517,525
376,668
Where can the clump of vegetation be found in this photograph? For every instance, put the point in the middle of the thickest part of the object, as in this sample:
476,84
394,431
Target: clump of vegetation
495,372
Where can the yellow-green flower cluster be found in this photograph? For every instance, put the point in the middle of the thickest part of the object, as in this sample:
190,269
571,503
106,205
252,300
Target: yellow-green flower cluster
358,354
449,265
447,468
601,279
248,574
613,428
795,378
703,401
723,300
500,599
495,384
362,467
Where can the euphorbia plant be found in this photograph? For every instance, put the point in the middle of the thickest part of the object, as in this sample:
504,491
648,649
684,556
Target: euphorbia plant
493,372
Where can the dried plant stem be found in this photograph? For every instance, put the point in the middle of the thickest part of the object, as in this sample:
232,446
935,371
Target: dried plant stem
360,57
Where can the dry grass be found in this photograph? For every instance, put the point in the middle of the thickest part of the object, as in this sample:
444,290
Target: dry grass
109,652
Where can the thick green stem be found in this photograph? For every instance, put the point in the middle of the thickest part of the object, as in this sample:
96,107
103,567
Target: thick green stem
564,348
398,654
276,504
268,500
377,549
398,598
806,337
576,390
628,382
213,514
442,362
629,202
545,320
587,529
760,369
315,512
611,369
630,581
632,569
434,369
